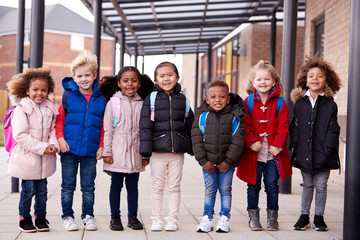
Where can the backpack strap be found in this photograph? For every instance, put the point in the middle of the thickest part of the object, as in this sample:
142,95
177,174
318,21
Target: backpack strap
115,104
202,123
280,103
187,110
235,125
64,100
250,103
152,105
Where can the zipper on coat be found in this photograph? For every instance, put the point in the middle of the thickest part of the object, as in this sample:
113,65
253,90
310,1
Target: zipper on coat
171,130
217,137
131,135
42,135
86,118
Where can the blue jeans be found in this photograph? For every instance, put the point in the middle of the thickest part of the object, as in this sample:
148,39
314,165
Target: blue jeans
214,181
271,176
131,183
29,188
69,169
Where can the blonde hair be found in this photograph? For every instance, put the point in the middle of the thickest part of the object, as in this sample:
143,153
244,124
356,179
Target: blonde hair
20,83
264,65
85,57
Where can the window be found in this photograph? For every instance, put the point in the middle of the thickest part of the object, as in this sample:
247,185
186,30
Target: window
77,42
27,38
319,37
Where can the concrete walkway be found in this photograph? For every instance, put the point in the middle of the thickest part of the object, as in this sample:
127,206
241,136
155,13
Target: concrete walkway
190,210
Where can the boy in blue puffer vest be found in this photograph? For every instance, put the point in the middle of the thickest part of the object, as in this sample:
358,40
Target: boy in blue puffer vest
79,132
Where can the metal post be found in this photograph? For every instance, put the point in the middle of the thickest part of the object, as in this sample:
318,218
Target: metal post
122,46
273,39
351,225
136,56
143,65
19,63
209,62
288,65
196,79
37,34
114,56
97,32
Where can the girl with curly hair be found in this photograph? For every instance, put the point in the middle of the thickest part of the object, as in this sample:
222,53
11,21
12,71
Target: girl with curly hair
314,136
33,158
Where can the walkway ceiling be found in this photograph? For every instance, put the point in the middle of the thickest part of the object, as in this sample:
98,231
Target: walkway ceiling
181,26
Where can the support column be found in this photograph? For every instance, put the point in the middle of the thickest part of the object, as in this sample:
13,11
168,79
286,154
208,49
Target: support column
136,55
143,65
114,56
209,62
97,32
37,34
273,39
19,63
196,79
122,46
288,65
351,225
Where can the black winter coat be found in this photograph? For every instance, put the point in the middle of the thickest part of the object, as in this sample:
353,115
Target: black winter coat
170,132
314,135
219,144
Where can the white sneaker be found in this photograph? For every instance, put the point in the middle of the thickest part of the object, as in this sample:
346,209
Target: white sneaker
156,224
223,224
70,224
89,223
205,225
171,224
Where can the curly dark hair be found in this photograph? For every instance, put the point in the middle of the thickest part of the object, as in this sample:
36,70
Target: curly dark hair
108,85
20,83
332,78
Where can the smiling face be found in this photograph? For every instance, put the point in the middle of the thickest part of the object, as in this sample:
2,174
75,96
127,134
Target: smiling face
129,83
316,81
84,78
166,78
38,90
263,82
218,97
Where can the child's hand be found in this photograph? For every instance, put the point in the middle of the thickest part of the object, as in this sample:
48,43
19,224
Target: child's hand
223,167
274,150
64,146
108,160
209,167
145,162
99,153
255,146
51,149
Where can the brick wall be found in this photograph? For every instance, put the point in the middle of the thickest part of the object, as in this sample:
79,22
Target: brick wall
57,55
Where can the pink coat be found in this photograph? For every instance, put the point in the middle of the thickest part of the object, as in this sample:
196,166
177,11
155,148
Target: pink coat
33,129
123,143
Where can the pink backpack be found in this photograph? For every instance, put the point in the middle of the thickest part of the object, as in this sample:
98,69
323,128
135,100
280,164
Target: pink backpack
9,140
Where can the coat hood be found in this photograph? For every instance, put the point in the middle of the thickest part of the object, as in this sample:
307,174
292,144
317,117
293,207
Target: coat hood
68,83
28,105
177,88
298,93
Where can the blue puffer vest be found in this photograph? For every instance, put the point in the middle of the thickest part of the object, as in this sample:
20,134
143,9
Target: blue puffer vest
83,120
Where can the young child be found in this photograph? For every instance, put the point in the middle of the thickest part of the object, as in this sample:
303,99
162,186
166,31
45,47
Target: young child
121,140
33,158
315,122
217,149
78,130
165,137
265,154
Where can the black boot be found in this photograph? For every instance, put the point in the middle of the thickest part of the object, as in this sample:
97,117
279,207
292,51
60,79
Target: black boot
302,223
41,223
115,224
134,223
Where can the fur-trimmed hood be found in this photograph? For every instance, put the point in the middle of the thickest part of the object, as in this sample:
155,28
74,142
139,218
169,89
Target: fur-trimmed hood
298,93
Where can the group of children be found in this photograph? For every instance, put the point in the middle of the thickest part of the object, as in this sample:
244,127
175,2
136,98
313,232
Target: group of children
130,123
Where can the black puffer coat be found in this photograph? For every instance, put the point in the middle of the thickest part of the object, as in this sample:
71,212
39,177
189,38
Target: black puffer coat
314,134
219,145
170,132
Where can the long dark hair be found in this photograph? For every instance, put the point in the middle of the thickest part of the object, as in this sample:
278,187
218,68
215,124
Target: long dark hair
108,85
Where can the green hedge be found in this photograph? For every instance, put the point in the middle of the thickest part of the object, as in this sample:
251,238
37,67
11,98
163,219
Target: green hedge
1,136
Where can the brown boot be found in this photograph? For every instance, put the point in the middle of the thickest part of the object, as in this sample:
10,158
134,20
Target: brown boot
254,222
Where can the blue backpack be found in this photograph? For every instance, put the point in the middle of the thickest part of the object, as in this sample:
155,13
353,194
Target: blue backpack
250,103
152,105
202,124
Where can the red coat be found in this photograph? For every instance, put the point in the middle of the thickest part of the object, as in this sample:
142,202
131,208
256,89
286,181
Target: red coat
277,127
